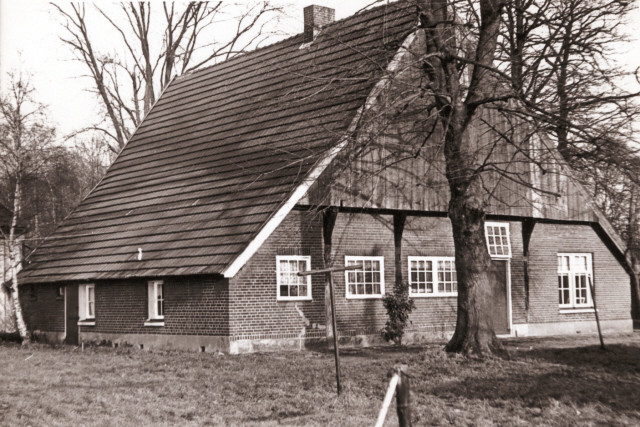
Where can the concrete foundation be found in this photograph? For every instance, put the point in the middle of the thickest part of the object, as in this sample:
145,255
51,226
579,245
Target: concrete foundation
160,342
570,328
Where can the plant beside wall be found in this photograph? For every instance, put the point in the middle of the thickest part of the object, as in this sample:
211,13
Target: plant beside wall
399,306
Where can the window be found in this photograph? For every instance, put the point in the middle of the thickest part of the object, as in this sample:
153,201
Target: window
156,300
497,234
60,292
87,302
432,276
574,274
368,282
290,285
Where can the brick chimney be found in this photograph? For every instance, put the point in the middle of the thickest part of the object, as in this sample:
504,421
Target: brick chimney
316,17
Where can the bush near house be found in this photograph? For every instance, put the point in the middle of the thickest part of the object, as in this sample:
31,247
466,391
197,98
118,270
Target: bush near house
556,382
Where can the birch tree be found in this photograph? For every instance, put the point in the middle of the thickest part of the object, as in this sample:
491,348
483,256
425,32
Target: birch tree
24,142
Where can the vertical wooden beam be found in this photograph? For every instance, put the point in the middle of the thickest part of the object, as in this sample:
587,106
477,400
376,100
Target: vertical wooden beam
329,216
527,230
399,220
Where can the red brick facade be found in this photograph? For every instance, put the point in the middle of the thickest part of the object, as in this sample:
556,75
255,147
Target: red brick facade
246,306
43,309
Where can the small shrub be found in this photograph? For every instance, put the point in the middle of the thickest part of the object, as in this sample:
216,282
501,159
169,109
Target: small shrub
399,306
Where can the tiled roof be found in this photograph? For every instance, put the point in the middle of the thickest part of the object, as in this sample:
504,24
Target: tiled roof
219,153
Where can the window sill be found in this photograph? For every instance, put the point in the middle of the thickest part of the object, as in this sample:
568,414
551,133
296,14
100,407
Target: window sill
577,310
432,295
154,322
293,299
365,296
86,323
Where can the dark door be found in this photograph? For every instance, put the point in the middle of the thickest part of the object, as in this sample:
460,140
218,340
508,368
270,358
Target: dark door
71,323
499,296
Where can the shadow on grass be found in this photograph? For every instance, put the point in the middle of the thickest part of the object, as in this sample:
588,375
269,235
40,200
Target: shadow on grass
544,377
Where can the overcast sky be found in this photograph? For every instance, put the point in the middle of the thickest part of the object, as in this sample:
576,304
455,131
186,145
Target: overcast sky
29,39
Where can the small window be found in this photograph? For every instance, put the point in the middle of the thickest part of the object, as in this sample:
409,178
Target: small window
367,282
87,301
60,292
156,299
497,235
290,285
574,274
432,276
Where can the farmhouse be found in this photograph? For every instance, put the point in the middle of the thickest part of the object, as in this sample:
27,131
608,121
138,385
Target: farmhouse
303,154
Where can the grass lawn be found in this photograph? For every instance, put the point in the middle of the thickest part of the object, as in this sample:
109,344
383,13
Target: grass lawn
554,382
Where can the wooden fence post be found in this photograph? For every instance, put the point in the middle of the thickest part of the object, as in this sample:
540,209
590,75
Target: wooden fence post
403,397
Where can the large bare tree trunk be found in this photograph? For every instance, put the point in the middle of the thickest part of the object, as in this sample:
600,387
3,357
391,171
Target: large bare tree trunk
457,105
14,257
474,332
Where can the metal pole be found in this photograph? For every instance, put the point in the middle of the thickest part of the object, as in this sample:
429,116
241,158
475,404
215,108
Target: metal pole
335,333
595,309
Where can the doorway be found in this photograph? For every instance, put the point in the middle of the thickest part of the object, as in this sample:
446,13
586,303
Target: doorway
498,281
72,315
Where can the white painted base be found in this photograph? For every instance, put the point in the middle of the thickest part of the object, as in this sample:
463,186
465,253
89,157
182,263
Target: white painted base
570,328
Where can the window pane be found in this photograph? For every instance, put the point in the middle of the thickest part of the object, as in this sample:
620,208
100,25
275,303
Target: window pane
293,291
376,288
284,290
414,286
302,290
360,289
352,289
368,288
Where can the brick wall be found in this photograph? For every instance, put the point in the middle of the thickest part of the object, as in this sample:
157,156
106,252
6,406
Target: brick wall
612,283
43,310
247,304
192,306
254,308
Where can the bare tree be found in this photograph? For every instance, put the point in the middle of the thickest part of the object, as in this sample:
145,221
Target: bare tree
24,142
128,80
546,65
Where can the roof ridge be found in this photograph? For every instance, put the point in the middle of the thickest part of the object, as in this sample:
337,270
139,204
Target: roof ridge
358,14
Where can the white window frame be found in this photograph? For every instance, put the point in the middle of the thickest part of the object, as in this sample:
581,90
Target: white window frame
486,237
361,260
434,261
305,258
572,272
152,299
84,303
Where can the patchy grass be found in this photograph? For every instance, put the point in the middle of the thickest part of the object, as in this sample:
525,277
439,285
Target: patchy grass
552,382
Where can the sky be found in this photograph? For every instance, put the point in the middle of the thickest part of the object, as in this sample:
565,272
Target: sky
29,41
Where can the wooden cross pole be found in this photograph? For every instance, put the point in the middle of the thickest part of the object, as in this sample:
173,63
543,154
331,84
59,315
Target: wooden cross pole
595,309
333,310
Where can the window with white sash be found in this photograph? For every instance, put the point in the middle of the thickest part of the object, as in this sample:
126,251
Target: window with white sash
575,271
367,282
156,300
497,236
432,276
292,287
87,301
